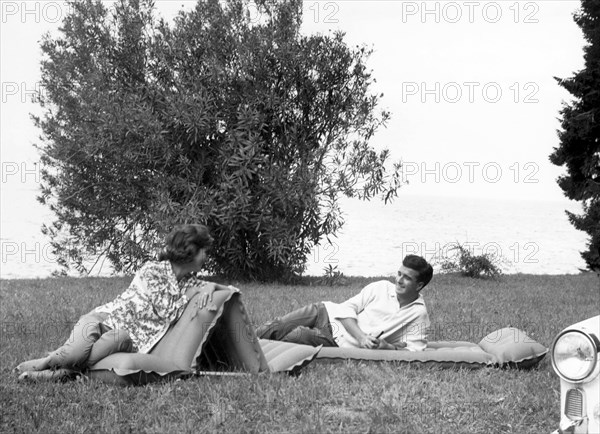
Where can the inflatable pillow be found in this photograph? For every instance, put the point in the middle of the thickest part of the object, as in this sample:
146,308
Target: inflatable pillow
511,347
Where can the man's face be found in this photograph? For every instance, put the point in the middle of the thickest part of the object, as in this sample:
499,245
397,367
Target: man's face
407,281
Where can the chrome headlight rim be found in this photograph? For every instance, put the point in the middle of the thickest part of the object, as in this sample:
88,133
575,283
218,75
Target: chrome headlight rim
595,345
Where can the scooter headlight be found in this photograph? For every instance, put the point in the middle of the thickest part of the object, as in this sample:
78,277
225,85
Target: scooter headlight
574,356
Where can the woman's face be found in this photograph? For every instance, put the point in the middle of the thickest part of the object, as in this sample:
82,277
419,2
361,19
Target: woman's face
199,259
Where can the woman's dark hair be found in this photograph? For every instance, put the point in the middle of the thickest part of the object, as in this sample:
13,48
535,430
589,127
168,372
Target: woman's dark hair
184,242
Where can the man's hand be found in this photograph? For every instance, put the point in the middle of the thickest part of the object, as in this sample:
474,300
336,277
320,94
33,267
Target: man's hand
368,341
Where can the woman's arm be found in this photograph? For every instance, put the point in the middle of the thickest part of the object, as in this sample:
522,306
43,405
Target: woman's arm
206,291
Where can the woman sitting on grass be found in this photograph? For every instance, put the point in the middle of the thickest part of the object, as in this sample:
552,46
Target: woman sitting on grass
142,316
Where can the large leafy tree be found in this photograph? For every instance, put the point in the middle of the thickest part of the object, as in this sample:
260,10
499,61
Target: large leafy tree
249,127
579,148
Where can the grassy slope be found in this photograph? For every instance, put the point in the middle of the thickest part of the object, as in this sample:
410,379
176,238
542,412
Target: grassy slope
36,316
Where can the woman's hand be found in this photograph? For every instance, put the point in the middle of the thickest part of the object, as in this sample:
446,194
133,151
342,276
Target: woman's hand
206,293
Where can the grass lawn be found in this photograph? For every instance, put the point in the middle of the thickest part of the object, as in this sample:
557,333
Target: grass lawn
36,316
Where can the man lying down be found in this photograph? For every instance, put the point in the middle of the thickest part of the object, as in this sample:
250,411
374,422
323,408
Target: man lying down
383,315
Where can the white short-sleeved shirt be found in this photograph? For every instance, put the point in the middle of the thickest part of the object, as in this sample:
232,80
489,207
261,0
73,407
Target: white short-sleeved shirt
376,310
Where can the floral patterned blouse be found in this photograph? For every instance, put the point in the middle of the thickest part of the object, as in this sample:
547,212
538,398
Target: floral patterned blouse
152,302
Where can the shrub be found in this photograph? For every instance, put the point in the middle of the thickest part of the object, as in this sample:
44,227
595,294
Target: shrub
471,265
251,128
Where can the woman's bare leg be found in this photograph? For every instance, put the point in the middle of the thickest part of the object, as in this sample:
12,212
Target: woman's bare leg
51,375
180,343
33,365
112,341
75,351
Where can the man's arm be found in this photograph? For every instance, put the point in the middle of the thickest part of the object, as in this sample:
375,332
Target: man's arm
413,334
358,302
364,340
368,341
416,334
385,345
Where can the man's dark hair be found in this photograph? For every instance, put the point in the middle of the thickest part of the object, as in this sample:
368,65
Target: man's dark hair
421,266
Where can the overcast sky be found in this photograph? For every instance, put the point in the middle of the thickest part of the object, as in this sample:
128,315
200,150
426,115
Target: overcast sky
469,85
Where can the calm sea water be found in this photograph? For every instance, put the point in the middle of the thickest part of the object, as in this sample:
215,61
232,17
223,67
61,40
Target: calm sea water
532,237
